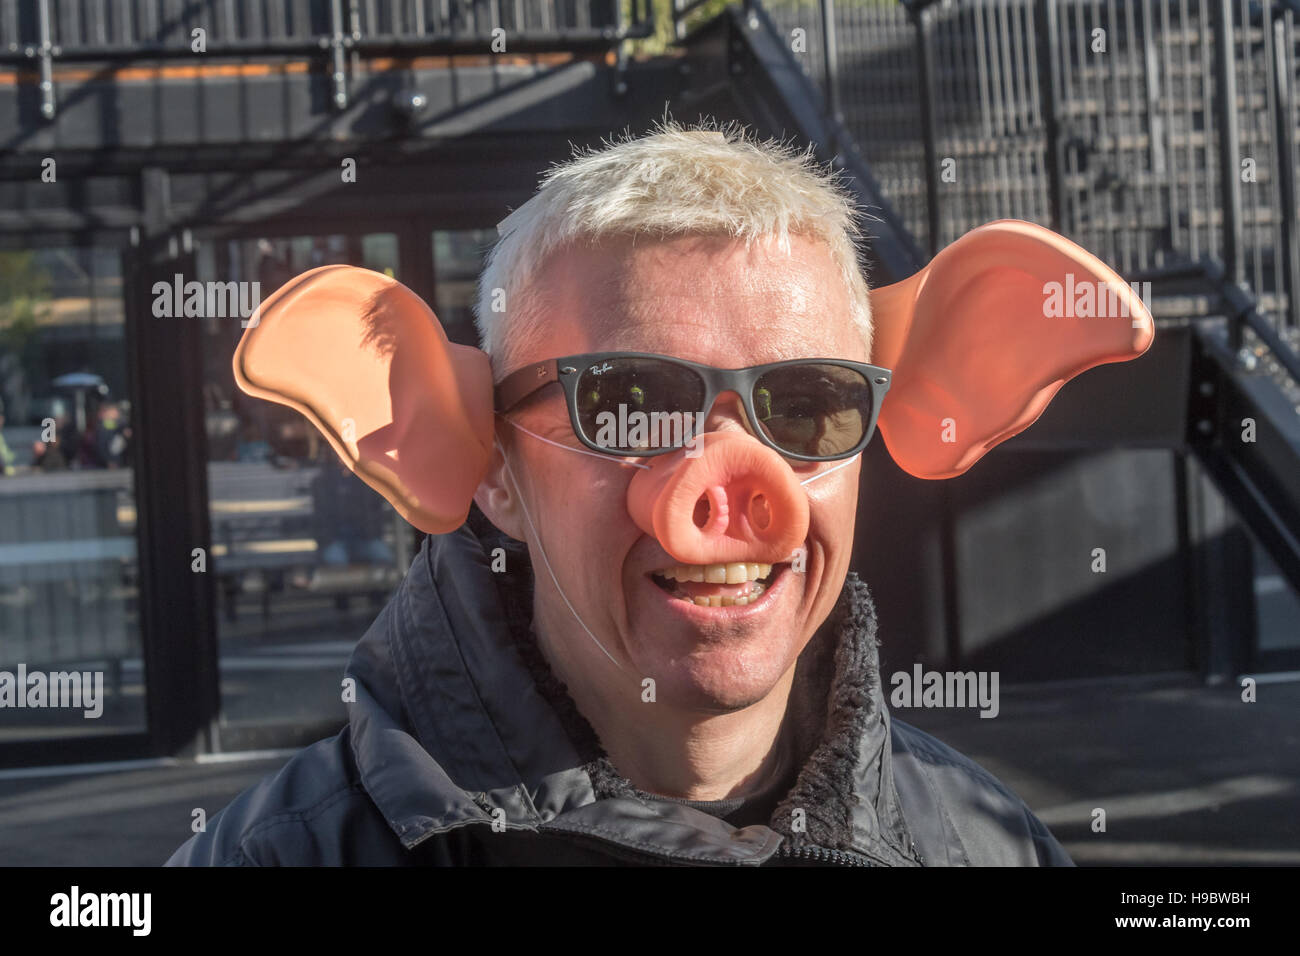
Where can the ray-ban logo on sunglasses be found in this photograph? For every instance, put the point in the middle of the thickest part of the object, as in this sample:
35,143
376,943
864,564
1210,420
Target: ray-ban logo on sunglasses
632,428
601,369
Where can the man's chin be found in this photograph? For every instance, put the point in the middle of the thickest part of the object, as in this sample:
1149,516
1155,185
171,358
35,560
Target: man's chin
717,675
715,687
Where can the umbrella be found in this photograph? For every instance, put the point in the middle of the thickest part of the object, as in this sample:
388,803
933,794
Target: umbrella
80,380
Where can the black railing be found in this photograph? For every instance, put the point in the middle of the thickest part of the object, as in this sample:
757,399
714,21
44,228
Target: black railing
44,33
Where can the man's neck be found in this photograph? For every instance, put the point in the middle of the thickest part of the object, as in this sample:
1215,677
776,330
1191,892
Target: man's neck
673,752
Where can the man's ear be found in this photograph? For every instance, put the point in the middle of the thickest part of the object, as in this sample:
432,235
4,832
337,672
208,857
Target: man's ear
982,338
498,499
367,362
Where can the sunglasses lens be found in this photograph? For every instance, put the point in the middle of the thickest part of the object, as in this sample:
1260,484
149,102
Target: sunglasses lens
814,410
634,405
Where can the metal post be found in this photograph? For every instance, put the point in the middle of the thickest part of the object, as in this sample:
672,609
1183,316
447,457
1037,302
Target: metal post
1284,106
929,125
45,51
335,43
1229,143
620,52
1049,85
169,458
829,54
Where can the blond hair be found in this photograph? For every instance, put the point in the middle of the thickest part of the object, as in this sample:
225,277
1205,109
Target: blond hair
674,181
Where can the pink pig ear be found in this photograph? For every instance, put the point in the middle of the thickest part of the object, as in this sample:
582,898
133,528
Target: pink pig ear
980,340
368,363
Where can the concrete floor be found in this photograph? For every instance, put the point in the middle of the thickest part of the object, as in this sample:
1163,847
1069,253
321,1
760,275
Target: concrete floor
1186,775
125,818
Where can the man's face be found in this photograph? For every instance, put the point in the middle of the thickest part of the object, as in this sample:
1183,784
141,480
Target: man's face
710,301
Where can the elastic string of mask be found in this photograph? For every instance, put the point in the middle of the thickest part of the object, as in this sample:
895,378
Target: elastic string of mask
580,451
823,474
546,561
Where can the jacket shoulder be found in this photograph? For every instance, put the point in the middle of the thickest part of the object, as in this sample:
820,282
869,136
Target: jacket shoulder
314,811
959,814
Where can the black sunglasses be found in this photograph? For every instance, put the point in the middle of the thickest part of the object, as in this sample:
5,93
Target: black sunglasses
636,404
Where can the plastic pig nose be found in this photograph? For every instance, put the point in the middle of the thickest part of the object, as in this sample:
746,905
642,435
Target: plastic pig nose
736,501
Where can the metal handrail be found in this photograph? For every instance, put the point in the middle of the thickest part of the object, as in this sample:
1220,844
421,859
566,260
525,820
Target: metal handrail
347,35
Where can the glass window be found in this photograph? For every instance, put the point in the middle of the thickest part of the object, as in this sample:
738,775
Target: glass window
379,252
458,258
306,554
69,622
1277,605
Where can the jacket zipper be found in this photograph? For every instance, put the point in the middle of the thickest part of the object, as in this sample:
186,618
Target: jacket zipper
627,854
821,854
817,854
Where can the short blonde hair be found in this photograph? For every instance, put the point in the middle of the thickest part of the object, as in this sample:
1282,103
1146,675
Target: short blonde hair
707,180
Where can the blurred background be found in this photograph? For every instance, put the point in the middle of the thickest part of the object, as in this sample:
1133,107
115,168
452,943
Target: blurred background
245,141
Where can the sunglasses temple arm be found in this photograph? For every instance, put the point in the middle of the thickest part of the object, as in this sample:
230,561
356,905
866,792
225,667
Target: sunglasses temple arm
581,451
520,384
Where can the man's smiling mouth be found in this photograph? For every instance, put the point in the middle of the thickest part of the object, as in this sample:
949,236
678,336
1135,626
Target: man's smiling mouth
717,585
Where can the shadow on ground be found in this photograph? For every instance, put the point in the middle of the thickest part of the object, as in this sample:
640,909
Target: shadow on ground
1186,775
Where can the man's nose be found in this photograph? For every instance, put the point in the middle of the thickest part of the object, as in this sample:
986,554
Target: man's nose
736,500
727,414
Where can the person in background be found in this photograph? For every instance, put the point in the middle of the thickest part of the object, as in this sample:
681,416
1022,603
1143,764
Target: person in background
105,444
349,516
6,453
53,455
252,447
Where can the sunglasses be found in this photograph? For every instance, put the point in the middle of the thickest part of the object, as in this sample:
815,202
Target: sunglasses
638,404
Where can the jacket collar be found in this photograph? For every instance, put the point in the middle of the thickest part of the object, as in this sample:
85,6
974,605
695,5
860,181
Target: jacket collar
458,720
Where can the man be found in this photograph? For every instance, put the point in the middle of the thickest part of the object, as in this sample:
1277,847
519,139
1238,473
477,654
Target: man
105,445
7,457
555,684
59,454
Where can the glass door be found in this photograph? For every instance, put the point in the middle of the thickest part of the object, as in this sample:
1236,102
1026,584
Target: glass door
70,637
304,554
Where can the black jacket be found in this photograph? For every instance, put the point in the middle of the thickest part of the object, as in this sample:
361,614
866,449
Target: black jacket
462,748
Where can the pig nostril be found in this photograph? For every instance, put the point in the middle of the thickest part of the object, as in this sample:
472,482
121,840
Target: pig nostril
702,511
760,513
711,510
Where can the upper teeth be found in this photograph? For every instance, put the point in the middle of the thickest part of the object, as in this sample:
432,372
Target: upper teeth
734,573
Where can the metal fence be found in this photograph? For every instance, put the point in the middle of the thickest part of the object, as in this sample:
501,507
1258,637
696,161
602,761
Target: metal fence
85,27
1153,132
67,568
42,33
872,49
